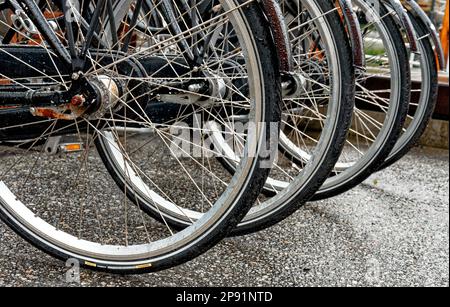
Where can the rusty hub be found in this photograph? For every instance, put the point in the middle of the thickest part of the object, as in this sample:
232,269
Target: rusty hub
107,93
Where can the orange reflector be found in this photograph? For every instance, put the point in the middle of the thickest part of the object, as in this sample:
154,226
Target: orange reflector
72,147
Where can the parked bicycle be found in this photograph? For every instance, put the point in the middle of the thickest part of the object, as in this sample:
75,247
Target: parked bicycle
137,134
102,69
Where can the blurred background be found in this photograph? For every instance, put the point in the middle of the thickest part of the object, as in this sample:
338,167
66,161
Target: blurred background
437,134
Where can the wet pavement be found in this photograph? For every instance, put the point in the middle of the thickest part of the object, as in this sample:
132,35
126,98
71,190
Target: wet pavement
391,231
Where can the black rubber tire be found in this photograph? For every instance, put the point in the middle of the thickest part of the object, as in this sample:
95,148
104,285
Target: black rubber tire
341,128
397,121
270,71
335,142
432,96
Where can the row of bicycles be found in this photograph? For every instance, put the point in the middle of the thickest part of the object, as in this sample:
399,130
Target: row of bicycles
137,134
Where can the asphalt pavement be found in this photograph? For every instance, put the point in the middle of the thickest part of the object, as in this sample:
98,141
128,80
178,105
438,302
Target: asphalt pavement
391,231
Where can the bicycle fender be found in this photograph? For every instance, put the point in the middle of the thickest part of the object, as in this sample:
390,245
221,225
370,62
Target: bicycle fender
415,9
274,14
354,32
405,22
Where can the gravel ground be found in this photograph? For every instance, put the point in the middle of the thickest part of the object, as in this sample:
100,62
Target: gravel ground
391,231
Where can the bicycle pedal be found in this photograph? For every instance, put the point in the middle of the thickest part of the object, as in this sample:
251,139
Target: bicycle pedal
71,147
60,144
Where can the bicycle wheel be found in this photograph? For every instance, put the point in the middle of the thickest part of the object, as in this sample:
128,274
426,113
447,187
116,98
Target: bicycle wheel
315,118
382,96
121,77
320,92
424,95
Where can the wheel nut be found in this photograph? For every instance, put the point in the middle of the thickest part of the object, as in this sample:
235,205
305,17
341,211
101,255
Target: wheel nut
78,100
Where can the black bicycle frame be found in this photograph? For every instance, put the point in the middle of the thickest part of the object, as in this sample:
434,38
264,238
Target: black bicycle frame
16,103
67,57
